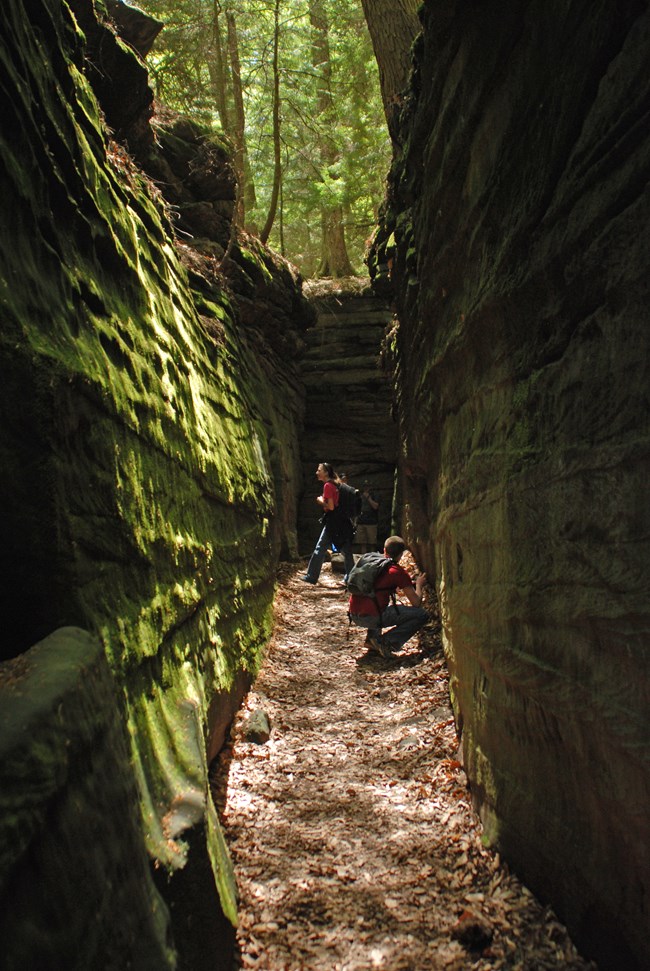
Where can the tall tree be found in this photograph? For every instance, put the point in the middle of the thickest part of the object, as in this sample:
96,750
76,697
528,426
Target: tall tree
393,26
324,114
217,68
335,260
245,191
277,148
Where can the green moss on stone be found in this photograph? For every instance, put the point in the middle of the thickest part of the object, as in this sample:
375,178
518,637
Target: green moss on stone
150,485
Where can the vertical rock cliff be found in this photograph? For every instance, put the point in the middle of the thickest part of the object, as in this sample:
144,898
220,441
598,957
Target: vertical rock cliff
150,408
349,419
516,241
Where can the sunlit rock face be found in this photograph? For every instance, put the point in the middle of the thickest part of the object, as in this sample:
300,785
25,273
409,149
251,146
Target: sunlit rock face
149,415
516,241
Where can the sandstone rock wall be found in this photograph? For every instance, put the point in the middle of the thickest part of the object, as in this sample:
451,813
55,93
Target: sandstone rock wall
516,241
69,810
349,418
149,415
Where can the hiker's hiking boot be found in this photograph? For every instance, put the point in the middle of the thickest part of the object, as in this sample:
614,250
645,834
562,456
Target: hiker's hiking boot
375,644
307,579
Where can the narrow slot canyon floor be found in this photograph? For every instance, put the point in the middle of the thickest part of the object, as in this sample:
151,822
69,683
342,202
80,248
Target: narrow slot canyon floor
351,829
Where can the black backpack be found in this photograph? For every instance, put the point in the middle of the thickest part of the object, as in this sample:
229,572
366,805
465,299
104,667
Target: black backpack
340,528
349,501
364,574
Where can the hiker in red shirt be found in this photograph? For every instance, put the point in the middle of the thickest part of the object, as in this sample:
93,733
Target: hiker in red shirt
403,620
329,501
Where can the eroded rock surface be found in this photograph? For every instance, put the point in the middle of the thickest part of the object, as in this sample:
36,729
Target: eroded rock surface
148,439
516,241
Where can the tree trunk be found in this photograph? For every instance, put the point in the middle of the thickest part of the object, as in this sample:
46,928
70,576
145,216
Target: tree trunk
393,26
217,70
283,250
246,188
277,164
335,260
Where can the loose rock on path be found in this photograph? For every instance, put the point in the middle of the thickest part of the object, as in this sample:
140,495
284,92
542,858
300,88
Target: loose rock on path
351,829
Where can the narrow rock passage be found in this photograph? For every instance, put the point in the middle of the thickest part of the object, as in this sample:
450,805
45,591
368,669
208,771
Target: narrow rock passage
351,830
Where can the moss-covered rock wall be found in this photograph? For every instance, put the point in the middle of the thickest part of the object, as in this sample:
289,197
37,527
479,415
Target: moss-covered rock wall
516,242
148,429
76,889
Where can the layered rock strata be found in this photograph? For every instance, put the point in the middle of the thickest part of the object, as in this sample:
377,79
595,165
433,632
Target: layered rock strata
149,413
349,418
516,241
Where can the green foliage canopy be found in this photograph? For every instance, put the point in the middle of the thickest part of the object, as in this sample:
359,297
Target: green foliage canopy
183,67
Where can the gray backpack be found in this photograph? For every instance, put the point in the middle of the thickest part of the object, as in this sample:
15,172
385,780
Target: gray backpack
364,574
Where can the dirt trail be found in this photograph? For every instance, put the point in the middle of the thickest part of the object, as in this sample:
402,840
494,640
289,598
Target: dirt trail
351,829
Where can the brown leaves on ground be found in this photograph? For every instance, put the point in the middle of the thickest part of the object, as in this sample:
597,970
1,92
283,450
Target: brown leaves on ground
351,830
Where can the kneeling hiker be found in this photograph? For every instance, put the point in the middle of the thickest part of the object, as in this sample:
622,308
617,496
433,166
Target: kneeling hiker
372,583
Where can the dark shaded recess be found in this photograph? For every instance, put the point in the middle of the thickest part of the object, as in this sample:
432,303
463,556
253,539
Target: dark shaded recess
66,40
112,262
36,593
42,591
51,238
116,354
77,859
88,298
203,935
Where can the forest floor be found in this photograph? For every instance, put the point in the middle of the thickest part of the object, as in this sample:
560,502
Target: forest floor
351,830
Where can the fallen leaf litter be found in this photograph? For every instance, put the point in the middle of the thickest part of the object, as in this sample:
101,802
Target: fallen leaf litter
351,829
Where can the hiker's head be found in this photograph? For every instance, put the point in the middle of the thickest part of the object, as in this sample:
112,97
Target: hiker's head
394,547
325,471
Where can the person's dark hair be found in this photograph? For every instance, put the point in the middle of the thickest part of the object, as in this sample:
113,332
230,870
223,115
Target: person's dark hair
394,546
331,474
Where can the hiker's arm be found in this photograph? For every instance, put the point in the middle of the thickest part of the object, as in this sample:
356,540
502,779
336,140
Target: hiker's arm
327,504
414,594
374,503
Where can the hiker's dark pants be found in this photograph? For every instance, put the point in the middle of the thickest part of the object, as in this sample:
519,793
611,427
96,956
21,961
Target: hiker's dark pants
405,622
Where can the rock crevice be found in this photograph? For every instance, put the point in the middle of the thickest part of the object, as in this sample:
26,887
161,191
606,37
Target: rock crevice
348,417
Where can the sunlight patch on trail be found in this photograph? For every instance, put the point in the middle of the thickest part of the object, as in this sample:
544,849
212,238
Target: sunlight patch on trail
351,830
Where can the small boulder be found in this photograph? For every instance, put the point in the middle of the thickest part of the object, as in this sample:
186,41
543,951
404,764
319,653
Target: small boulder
257,727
